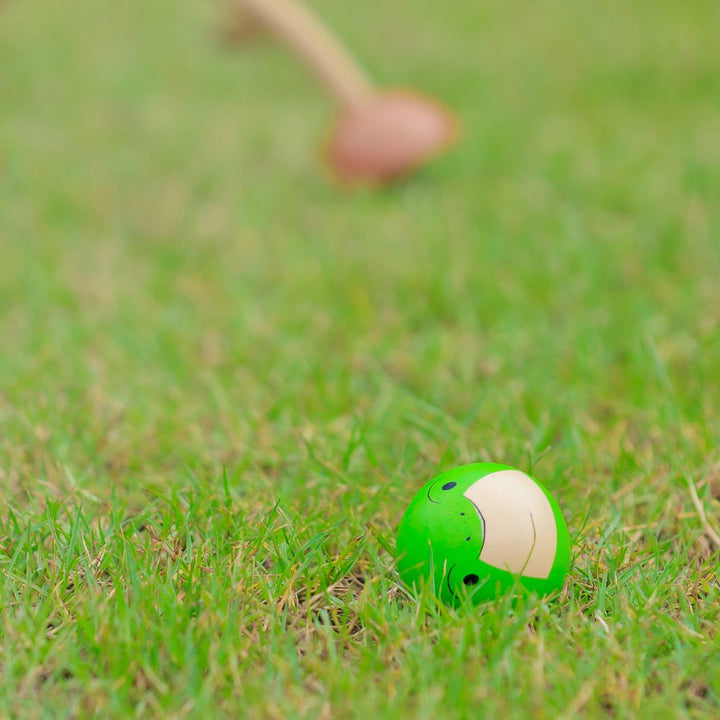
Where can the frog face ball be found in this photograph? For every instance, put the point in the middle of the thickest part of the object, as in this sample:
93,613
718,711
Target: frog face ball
479,530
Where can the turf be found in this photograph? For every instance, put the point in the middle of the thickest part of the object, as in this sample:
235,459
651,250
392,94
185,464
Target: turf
221,380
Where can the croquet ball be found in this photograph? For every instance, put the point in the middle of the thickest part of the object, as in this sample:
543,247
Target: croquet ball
482,530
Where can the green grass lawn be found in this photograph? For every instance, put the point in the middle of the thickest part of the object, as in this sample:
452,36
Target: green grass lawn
221,380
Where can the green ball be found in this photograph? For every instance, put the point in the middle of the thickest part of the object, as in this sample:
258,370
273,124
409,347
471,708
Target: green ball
482,530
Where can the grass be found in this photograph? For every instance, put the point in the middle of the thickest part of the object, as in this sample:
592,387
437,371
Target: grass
221,381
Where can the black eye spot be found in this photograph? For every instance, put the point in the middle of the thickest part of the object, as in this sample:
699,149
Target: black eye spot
471,579
462,513
467,538
449,486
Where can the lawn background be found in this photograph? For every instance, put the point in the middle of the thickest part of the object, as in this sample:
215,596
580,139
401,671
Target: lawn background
221,379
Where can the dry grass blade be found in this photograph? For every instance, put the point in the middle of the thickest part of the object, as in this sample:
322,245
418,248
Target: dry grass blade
707,528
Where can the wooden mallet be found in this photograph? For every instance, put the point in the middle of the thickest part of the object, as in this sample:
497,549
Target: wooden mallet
378,135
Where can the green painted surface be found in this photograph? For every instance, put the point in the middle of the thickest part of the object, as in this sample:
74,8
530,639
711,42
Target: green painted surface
440,538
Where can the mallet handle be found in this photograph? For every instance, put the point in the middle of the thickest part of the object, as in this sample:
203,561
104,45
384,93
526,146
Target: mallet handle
318,47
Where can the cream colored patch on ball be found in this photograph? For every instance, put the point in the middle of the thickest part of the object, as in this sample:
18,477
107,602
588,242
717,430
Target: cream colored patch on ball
520,530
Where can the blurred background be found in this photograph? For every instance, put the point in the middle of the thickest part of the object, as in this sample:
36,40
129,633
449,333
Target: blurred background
183,286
